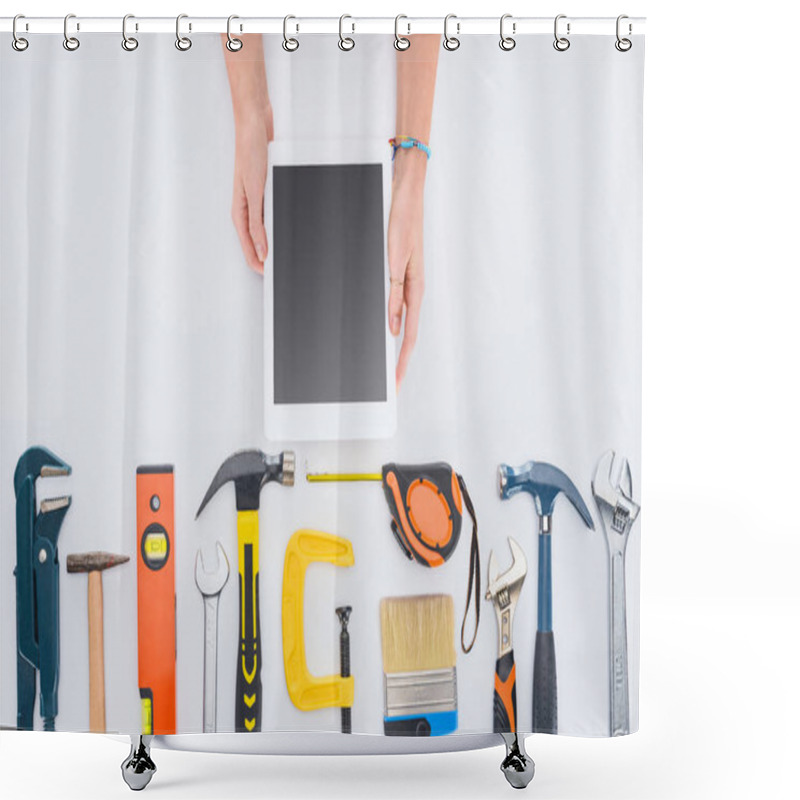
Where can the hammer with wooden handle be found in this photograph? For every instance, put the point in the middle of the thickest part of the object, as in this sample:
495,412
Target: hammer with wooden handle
94,563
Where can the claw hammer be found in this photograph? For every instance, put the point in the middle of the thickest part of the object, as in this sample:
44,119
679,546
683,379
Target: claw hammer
249,470
544,483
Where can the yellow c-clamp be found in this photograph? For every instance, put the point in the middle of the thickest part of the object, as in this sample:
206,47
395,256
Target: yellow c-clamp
307,691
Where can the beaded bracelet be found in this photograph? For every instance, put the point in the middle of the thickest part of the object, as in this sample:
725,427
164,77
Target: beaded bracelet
407,142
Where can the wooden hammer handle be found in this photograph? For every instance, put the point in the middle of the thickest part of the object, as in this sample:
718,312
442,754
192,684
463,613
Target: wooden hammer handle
97,690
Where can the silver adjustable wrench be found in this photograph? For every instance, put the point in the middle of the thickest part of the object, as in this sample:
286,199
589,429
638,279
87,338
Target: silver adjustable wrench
503,590
210,585
613,489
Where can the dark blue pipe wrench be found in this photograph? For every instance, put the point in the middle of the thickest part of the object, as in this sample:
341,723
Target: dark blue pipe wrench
37,586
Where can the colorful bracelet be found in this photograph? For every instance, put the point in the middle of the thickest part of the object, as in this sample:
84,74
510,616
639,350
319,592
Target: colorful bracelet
407,142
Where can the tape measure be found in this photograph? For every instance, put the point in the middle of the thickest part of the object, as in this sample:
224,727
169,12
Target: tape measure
426,503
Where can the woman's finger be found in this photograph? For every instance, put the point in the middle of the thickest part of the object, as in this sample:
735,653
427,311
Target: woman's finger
241,221
395,305
254,190
414,289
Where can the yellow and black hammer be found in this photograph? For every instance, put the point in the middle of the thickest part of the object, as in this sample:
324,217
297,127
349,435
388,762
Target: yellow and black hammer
249,470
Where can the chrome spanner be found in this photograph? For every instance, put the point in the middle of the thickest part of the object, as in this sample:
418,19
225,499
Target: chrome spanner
503,591
210,585
613,489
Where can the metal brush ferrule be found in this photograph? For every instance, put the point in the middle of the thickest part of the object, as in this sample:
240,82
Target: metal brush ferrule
411,693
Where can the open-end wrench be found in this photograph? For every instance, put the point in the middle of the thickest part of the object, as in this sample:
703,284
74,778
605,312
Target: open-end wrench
210,585
613,489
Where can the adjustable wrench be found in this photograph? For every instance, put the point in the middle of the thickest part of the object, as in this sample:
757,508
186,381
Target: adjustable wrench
503,590
210,585
37,594
613,489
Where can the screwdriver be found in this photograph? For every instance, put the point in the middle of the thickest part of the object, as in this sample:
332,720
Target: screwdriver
425,502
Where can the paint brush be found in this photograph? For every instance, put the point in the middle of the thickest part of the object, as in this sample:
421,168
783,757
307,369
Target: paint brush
419,665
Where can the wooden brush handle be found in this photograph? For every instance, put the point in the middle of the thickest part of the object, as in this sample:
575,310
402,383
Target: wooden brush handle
97,689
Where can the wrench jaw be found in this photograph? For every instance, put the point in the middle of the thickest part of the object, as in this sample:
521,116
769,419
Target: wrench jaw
613,489
503,591
211,583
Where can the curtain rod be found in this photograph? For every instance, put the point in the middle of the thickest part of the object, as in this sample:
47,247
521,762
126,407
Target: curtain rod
461,26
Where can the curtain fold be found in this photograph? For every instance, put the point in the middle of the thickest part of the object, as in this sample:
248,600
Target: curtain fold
132,334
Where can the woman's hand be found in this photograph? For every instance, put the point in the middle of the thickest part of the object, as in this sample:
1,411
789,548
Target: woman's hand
252,117
406,264
253,135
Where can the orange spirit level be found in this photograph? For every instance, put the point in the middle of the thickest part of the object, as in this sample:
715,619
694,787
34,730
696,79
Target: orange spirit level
155,526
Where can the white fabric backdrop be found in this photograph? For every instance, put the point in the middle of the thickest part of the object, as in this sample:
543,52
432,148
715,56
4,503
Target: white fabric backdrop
131,333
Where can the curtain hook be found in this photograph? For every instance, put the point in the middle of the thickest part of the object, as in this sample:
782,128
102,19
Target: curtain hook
71,43
507,42
451,42
401,42
18,42
129,43
289,44
561,43
233,44
623,44
346,43
183,43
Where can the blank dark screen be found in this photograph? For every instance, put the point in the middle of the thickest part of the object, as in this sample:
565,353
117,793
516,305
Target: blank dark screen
328,268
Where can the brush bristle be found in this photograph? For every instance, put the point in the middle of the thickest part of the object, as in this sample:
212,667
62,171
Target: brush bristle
417,633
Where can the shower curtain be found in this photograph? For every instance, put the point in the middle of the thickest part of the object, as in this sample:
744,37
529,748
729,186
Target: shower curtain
140,349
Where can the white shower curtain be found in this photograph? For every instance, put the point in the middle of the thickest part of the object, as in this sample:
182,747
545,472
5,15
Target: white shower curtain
132,333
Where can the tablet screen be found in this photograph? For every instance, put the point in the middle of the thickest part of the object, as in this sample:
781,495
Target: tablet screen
329,284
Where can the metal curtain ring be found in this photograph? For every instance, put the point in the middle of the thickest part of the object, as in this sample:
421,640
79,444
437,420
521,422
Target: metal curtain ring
129,43
183,43
18,42
70,43
561,43
346,43
290,44
401,42
233,44
623,44
451,42
507,42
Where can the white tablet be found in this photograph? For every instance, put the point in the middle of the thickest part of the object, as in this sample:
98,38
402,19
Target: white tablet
328,351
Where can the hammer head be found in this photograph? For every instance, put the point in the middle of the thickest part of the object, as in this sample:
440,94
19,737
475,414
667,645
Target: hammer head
250,470
93,562
544,483
38,462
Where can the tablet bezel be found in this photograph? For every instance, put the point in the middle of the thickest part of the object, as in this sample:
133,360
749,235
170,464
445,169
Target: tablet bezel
327,421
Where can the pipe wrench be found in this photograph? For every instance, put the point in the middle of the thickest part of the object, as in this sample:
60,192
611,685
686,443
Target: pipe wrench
503,590
36,576
613,489
210,585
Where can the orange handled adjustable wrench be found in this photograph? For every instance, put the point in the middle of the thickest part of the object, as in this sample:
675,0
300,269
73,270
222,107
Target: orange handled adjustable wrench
503,590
